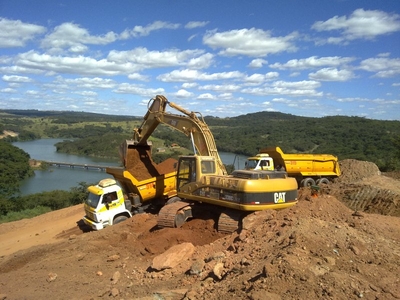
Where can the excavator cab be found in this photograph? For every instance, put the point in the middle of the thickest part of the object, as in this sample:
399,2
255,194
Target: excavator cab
192,169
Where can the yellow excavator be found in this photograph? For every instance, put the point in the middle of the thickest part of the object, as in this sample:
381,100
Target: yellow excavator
202,181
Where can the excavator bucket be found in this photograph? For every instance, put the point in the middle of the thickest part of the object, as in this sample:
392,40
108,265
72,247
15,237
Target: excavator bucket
132,145
141,135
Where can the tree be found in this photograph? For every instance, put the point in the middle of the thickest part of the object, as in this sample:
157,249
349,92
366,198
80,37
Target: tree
14,166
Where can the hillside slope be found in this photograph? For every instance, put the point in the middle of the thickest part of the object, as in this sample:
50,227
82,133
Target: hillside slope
317,249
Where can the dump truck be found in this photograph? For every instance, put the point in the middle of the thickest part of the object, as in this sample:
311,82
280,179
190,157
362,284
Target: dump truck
202,182
308,169
116,199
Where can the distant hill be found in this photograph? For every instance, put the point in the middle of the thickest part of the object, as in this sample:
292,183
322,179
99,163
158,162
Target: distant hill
345,137
377,141
34,113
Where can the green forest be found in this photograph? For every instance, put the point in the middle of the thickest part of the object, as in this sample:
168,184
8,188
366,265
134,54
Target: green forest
100,135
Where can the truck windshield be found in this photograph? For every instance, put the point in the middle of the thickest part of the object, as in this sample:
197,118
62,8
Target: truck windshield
92,200
251,164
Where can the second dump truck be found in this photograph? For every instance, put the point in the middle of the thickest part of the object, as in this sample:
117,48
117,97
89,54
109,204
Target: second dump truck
308,169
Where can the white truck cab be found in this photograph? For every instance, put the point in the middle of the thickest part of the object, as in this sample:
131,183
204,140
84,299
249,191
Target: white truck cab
106,205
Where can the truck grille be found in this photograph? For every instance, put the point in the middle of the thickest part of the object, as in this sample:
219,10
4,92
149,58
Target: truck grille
90,215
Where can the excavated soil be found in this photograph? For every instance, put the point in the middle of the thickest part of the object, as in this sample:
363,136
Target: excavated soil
342,244
142,167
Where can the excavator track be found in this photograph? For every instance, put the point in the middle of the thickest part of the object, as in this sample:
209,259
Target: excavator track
229,221
174,214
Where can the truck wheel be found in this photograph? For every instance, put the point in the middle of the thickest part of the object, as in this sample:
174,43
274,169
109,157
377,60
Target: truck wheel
120,219
307,182
323,181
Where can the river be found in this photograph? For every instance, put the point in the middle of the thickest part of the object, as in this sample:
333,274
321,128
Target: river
62,178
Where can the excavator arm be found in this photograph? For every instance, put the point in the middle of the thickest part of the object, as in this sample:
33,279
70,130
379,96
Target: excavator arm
189,123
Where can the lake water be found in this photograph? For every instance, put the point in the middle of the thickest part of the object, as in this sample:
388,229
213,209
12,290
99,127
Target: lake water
61,178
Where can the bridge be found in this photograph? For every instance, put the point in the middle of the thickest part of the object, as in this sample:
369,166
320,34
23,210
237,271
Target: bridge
75,165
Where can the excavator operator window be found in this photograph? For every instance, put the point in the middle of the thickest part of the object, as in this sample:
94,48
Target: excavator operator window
186,171
207,167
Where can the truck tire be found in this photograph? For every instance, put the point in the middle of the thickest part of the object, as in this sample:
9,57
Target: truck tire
119,219
322,181
307,182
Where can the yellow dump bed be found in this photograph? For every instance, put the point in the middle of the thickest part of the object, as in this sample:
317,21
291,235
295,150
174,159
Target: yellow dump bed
305,164
162,186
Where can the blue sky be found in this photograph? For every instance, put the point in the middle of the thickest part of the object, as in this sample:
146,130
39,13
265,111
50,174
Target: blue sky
222,58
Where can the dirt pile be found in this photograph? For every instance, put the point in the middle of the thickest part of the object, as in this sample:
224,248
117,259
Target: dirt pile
362,188
317,249
355,170
140,164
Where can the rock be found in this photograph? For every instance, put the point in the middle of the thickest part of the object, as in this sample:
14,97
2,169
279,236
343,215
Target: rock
99,273
218,270
171,294
173,256
218,256
265,271
261,295
330,260
51,277
3,296
113,257
355,250
114,292
253,220
197,267
191,295
116,277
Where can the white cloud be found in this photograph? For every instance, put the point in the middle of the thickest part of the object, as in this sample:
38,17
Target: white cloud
298,88
257,63
116,63
87,93
14,33
126,88
384,67
74,38
71,65
195,24
189,85
32,93
183,94
361,24
220,88
331,74
16,79
141,58
192,75
206,96
138,31
86,82
139,77
8,91
201,62
250,42
261,78
313,62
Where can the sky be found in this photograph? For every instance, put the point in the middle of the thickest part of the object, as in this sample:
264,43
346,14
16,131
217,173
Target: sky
222,58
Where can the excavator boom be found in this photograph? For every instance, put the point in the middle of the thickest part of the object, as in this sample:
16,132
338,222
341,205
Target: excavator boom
190,123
